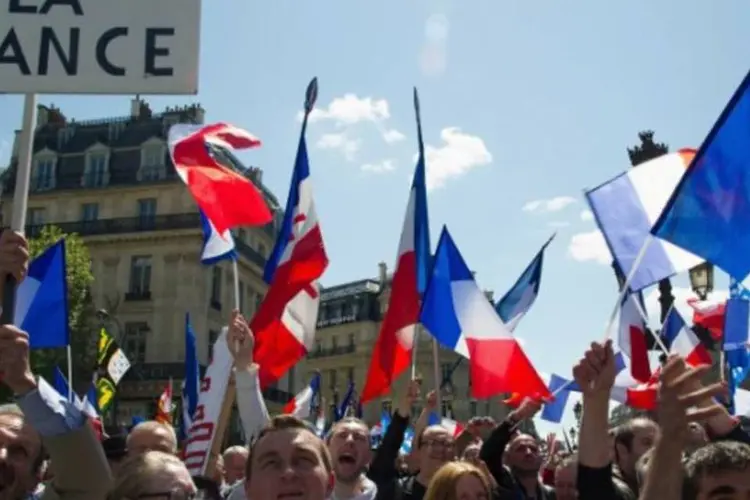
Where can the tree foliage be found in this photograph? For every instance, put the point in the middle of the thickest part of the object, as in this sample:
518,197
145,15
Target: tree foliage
81,311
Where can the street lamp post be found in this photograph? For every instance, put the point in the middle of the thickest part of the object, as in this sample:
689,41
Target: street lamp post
702,283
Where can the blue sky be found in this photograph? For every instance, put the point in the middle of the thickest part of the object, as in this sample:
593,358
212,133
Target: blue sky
523,106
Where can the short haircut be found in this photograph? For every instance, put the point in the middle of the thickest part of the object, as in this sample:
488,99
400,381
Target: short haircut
153,425
625,433
237,449
15,411
343,421
714,458
283,423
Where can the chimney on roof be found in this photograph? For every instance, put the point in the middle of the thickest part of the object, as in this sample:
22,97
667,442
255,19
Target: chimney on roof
135,107
55,116
382,272
199,114
42,115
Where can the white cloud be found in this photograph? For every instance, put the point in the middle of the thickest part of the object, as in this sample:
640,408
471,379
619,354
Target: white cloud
350,109
589,246
559,224
681,296
587,215
459,153
548,206
341,143
380,167
393,135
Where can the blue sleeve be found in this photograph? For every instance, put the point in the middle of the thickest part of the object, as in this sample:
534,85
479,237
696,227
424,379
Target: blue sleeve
49,412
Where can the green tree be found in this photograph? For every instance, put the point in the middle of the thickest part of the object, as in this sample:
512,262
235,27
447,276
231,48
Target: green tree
81,310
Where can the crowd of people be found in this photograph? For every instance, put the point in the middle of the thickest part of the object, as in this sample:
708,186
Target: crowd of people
692,449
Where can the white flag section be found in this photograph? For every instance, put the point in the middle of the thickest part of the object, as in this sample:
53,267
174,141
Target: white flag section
214,385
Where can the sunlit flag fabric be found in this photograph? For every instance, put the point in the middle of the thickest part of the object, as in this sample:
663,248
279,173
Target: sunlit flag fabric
709,211
736,339
626,207
164,406
681,340
709,314
518,300
42,300
631,337
301,405
455,428
393,347
112,366
284,325
87,404
216,246
192,382
457,313
228,198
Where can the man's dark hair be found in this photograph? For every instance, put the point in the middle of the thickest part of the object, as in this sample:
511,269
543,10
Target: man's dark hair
282,423
345,420
625,433
714,458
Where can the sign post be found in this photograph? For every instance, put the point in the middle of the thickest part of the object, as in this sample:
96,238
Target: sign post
90,47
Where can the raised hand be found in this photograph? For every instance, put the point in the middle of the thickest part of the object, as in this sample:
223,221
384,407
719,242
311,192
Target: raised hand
14,360
680,391
595,372
431,401
241,341
14,254
410,396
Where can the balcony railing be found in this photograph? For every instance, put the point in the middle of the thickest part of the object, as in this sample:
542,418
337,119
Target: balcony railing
125,225
332,351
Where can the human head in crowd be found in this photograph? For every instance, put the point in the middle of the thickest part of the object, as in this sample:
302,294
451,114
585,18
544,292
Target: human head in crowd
459,481
21,454
523,456
631,440
235,461
718,470
566,474
152,435
152,474
115,449
287,458
349,445
402,467
471,453
696,438
434,447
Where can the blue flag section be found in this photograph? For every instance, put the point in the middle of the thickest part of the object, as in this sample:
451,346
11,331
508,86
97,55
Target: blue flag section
42,300
709,212
421,218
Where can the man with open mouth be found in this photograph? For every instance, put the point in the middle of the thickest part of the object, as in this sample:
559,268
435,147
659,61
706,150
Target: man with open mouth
349,444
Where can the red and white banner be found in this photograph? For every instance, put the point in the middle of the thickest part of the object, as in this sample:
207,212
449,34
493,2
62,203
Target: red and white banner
214,385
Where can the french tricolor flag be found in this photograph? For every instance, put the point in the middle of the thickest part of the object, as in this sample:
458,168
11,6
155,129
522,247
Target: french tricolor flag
626,208
631,337
681,340
457,313
284,325
518,300
393,348
455,428
227,197
216,246
302,404
709,314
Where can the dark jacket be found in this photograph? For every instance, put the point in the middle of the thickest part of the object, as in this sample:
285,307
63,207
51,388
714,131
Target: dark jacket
491,454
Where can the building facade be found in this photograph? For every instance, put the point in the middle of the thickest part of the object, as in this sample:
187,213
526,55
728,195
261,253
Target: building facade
112,182
348,326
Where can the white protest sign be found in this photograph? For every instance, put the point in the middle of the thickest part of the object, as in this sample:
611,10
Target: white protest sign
99,46
205,422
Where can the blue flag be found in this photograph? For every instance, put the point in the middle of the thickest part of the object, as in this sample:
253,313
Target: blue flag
191,385
518,300
709,212
42,300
